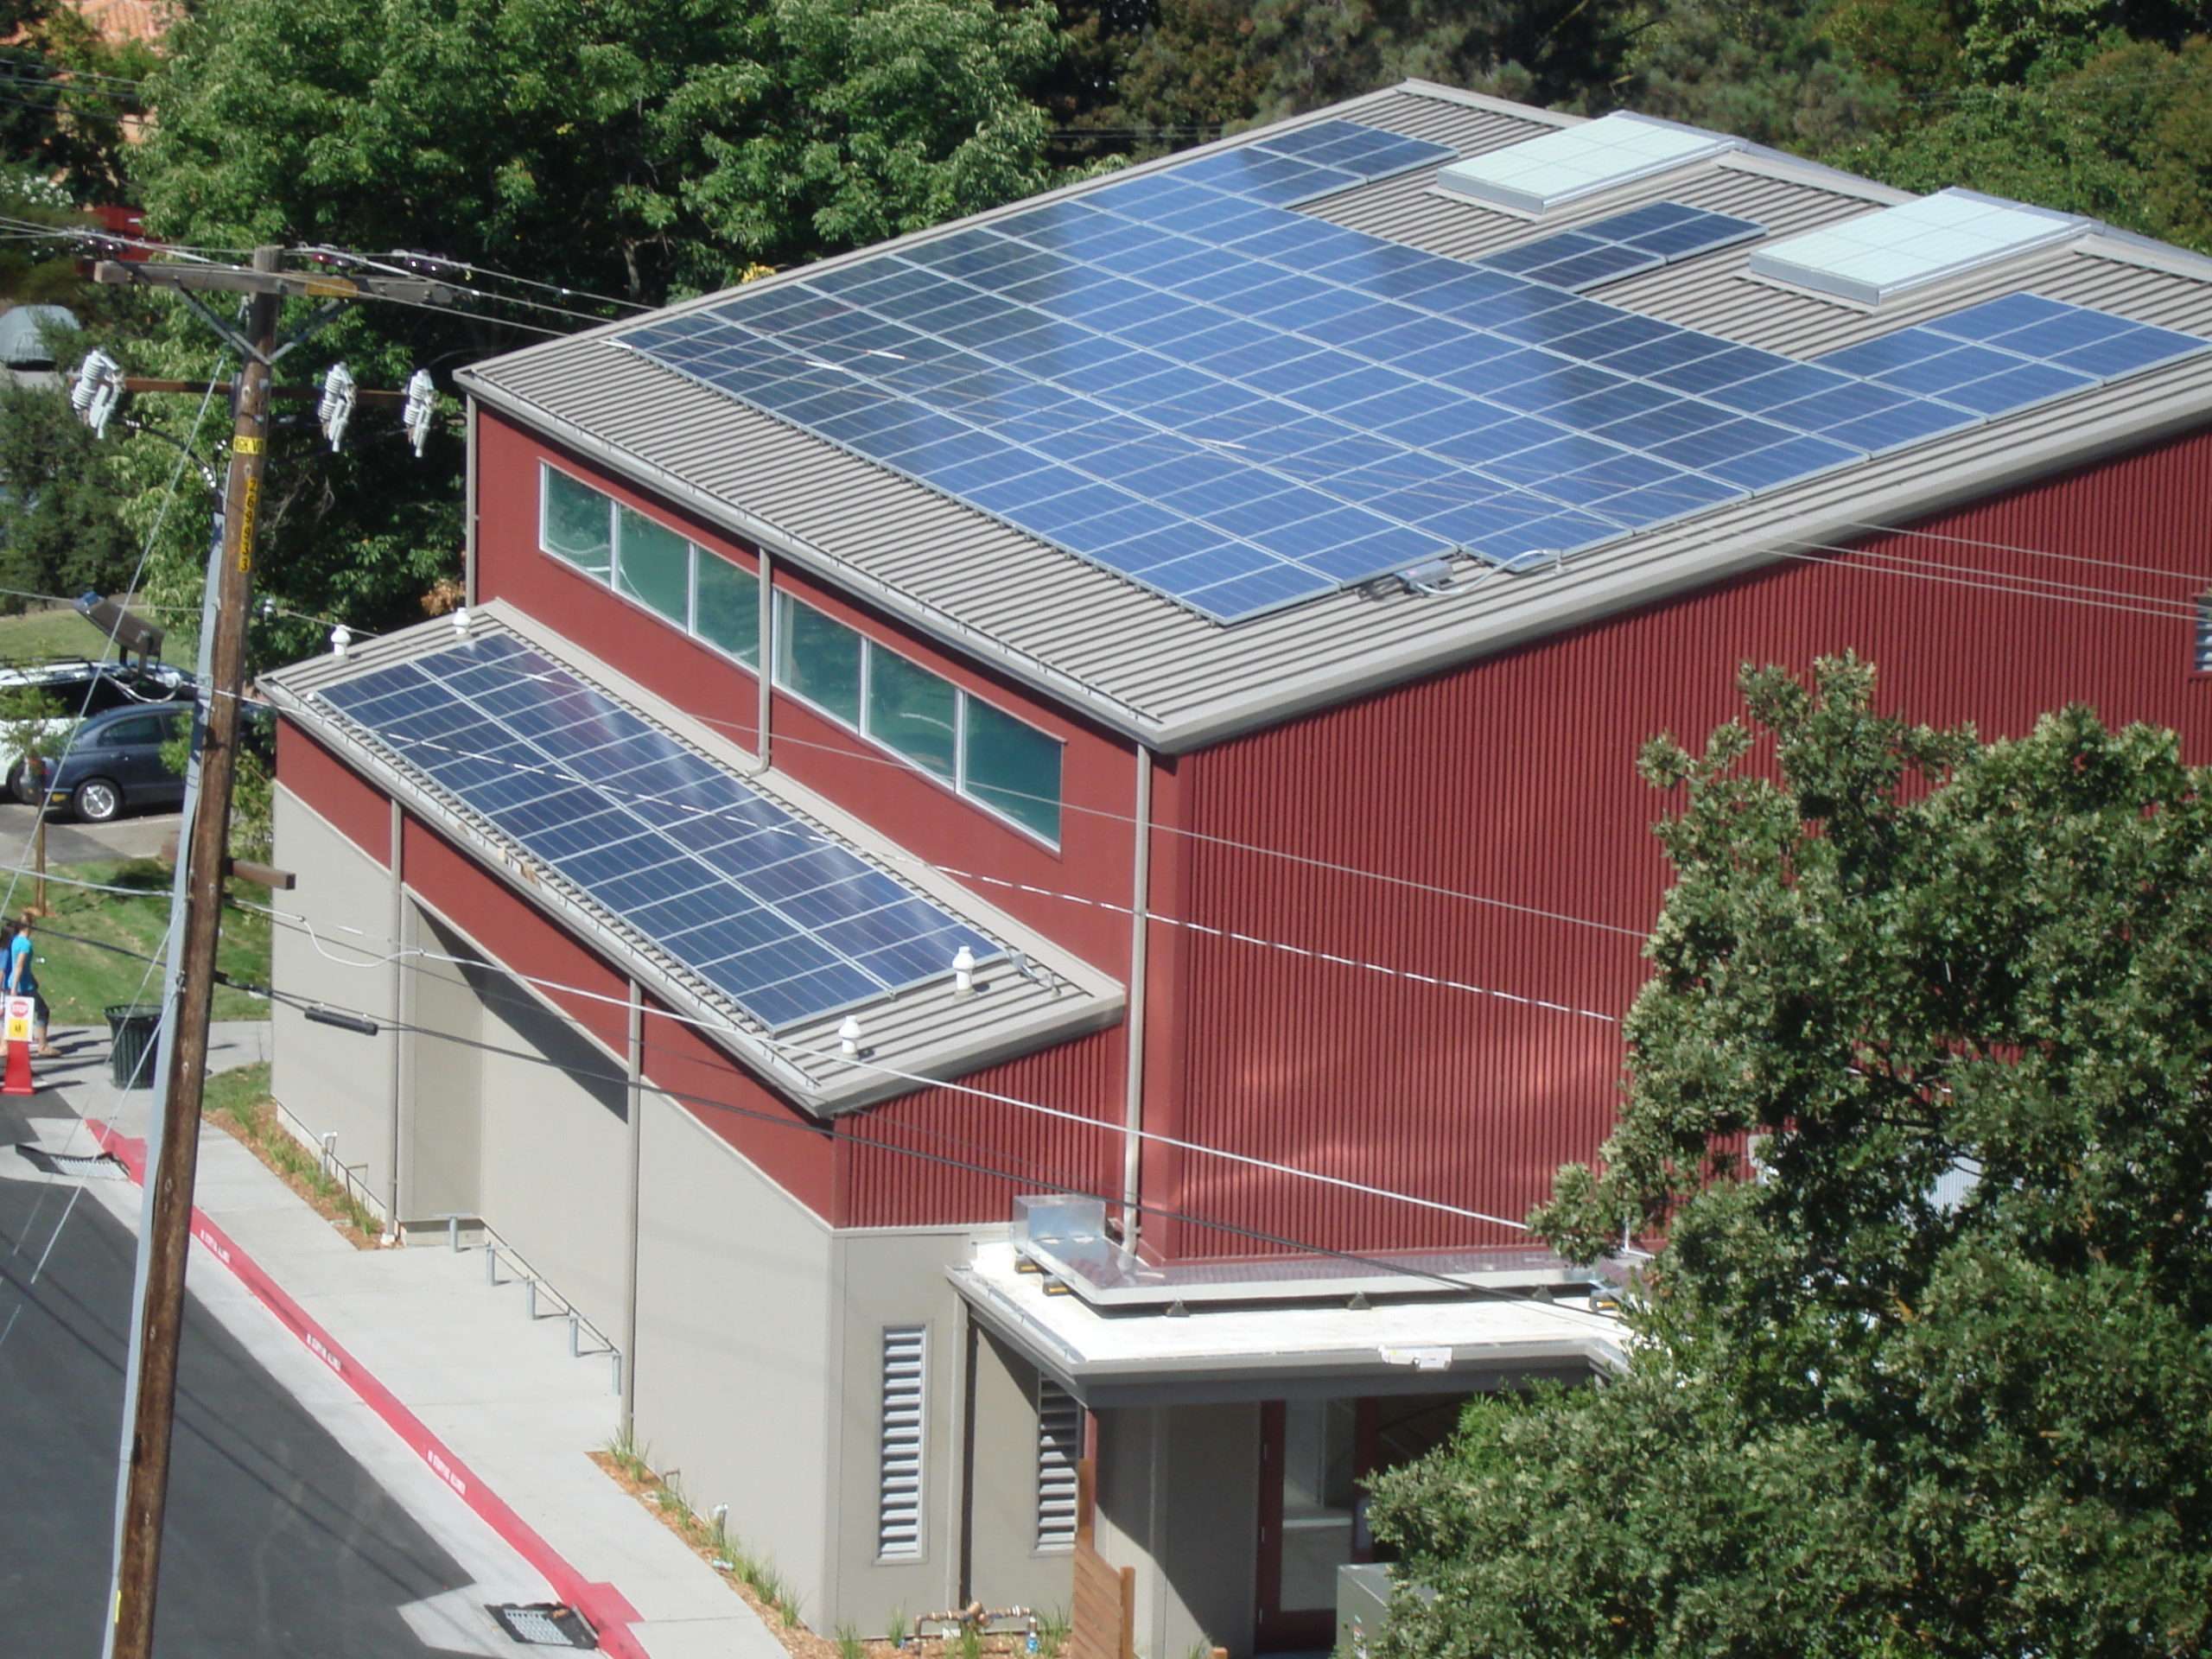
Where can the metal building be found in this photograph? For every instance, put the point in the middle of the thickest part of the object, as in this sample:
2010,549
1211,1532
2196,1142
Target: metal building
1230,973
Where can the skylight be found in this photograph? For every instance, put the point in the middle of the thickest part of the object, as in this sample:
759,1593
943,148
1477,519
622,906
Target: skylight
1541,174
1873,257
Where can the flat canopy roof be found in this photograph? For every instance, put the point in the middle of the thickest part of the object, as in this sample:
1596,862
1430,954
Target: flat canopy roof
1447,1343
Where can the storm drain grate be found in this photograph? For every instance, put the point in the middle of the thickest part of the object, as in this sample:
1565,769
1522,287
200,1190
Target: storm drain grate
87,1166
544,1625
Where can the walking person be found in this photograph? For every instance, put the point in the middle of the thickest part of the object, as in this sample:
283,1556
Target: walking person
22,981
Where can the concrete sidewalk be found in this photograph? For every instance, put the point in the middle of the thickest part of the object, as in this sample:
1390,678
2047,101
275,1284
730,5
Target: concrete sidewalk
460,1353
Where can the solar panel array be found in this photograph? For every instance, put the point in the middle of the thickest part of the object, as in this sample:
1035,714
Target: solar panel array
1243,407
1642,239
724,879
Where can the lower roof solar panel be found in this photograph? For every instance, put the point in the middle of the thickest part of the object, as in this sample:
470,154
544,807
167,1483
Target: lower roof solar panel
770,910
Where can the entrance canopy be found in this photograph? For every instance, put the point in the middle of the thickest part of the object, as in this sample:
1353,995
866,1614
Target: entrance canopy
1470,1338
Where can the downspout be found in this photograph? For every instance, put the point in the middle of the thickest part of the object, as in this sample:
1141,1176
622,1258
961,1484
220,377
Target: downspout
630,1208
468,515
1140,931
764,670
398,1016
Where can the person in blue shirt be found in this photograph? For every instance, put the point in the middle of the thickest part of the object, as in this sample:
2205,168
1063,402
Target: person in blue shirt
22,981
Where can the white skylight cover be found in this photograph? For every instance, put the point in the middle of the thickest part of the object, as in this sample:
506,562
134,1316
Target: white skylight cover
1539,174
1876,256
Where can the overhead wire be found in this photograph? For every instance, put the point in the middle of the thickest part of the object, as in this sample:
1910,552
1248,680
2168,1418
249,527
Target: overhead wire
306,1004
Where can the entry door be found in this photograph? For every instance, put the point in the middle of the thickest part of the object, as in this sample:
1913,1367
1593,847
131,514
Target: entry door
1309,1461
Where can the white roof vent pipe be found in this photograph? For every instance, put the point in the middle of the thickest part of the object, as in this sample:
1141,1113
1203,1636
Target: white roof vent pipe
340,637
964,971
849,1036
460,620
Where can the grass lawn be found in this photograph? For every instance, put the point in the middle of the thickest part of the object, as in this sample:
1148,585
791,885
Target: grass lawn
40,636
79,979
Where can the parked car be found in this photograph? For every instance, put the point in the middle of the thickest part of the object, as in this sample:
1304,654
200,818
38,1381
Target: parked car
80,688
116,761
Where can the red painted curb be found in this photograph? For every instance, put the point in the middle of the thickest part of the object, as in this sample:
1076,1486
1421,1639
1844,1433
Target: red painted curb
607,1609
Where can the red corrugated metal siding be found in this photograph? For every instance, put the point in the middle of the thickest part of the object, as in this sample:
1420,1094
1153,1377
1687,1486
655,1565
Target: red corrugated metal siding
1514,778
1035,1153
663,659
516,936
790,1149
319,779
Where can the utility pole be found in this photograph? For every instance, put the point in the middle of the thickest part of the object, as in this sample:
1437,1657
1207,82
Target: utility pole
175,1149
156,1407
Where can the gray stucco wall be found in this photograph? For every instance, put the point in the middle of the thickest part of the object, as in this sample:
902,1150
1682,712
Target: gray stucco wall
1005,1565
896,1276
734,1380
333,1081
552,1155
1179,1500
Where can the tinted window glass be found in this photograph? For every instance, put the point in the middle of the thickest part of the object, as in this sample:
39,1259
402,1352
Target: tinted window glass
730,606
1013,768
819,660
913,711
579,523
655,566
126,734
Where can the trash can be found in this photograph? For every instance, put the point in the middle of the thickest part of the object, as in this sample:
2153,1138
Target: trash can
132,1027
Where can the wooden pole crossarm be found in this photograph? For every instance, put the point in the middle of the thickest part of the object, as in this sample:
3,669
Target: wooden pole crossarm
284,284
139,383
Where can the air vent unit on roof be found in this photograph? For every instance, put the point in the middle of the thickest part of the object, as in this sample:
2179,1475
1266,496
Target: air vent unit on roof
1871,258
1539,174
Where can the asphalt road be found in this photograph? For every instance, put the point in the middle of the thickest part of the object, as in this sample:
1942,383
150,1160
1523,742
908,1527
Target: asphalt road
278,1542
68,842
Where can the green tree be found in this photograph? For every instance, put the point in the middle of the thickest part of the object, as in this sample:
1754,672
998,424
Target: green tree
65,97
643,148
1937,1381
61,526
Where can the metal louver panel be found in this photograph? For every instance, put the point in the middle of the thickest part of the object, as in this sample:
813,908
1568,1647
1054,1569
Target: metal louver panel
2203,656
899,1491
1060,1447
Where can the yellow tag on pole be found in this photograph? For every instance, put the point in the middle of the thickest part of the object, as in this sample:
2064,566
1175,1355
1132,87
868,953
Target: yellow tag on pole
247,444
249,504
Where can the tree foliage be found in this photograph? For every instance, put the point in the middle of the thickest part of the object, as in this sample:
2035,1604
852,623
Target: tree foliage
1938,1381
641,149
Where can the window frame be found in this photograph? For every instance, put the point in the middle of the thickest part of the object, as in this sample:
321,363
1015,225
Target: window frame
955,786
2200,639
612,581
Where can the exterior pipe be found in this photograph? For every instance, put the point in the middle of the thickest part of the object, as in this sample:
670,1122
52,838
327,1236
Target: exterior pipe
400,1047
765,669
1139,901
626,1375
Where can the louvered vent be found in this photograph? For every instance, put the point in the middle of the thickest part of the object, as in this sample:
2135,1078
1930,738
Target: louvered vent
1059,1445
898,1494
2204,657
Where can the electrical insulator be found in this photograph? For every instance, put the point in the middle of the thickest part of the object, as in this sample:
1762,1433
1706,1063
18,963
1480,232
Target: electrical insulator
422,405
97,387
337,406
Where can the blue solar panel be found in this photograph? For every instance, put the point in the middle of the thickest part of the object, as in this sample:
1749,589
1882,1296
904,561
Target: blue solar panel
750,898
1642,239
1241,407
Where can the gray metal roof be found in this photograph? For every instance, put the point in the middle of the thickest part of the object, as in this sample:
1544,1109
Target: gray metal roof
1147,667
929,1031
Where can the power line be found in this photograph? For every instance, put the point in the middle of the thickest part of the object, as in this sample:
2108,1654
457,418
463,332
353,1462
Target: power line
554,771
830,1050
